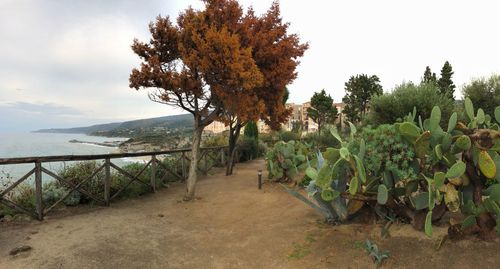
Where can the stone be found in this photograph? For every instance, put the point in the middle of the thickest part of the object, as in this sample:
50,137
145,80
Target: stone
20,249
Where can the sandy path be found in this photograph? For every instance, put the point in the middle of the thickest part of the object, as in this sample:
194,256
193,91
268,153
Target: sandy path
233,225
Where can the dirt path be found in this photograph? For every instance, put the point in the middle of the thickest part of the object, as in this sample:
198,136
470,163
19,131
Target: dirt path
233,225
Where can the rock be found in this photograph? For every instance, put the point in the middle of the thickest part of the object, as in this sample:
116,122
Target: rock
161,215
17,250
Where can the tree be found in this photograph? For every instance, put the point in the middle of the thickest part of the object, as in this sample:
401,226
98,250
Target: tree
485,92
359,90
251,130
322,110
429,77
391,107
445,83
276,54
199,65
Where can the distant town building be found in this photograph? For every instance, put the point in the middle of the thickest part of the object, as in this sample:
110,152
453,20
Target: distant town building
298,119
215,127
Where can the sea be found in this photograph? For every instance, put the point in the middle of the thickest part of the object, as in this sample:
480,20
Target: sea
47,144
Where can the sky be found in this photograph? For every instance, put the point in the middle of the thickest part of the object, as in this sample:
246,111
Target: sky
67,63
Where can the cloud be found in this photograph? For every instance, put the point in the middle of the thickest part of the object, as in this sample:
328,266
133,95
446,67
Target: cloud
74,56
44,108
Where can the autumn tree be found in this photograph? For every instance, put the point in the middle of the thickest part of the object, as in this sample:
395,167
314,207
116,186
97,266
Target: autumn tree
276,53
445,82
359,90
322,110
429,76
200,65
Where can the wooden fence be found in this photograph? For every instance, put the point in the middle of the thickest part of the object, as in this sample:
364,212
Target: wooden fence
209,157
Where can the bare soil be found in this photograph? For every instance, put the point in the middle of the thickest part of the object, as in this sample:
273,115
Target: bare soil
231,225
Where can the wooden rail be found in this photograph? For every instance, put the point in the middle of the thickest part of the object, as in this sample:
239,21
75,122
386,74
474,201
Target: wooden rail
209,157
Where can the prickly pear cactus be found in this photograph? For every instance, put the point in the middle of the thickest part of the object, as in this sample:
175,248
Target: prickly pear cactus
286,159
415,169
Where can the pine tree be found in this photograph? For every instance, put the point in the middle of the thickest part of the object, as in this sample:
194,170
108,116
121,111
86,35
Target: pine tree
322,110
359,91
445,83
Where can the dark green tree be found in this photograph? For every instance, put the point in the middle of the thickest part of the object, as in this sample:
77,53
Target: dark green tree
286,95
359,91
429,77
395,105
445,83
485,92
322,110
251,130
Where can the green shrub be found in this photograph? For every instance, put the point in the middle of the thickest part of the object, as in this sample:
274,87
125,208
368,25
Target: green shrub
485,92
134,189
387,151
219,140
288,136
393,107
24,196
53,192
251,130
323,141
249,149
269,138
80,171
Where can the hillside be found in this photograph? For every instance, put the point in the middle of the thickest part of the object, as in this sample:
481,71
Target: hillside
134,128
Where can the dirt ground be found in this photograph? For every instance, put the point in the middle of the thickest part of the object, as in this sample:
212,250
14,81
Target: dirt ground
231,225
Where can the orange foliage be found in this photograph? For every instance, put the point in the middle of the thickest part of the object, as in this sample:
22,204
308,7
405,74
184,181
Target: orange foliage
219,63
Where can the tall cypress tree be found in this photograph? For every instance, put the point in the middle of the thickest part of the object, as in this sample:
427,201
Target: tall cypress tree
429,77
445,83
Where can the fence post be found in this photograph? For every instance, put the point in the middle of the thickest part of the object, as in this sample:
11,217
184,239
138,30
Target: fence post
153,173
38,190
107,181
183,165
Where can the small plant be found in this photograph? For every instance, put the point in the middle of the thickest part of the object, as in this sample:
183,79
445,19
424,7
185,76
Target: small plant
377,255
299,251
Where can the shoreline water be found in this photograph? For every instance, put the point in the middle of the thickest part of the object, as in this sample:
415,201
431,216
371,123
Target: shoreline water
43,144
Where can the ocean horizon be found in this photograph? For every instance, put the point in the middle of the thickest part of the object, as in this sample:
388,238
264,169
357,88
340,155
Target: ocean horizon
29,144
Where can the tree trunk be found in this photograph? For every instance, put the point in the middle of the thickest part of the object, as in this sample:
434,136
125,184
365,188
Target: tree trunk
234,134
485,220
193,177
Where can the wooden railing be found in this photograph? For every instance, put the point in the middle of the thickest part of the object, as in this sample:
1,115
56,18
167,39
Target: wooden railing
209,157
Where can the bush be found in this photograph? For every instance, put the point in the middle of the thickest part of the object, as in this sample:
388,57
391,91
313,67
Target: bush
288,136
24,196
325,140
393,107
81,171
135,188
269,138
250,148
219,140
53,192
485,92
